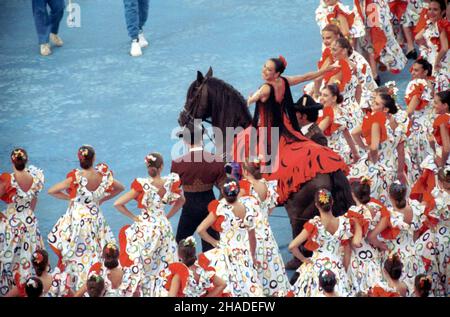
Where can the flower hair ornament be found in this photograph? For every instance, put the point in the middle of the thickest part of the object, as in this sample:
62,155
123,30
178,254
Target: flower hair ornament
189,242
283,60
365,180
83,153
324,196
111,246
149,159
18,154
94,275
32,283
327,275
38,257
424,279
231,188
392,89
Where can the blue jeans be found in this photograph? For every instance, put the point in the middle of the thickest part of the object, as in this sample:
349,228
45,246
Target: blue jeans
136,13
47,23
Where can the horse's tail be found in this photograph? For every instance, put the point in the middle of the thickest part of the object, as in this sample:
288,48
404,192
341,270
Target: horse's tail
342,194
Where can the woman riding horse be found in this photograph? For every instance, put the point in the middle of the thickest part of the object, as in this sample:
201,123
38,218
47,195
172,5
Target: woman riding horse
304,166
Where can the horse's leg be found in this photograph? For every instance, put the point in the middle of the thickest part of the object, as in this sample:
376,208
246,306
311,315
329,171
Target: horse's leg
300,208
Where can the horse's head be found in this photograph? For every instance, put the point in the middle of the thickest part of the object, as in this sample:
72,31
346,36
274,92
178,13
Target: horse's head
197,105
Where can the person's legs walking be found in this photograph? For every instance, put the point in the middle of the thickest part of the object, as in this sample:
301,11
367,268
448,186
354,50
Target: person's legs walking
56,15
143,15
132,21
42,23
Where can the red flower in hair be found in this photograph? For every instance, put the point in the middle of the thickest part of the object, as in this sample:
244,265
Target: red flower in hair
283,60
38,257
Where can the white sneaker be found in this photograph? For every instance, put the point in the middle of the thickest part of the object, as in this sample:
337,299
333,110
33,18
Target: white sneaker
56,40
135,49
45,49
142,41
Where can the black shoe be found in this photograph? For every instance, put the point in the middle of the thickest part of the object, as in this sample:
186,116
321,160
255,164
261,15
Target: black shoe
412,54
293,264
378,80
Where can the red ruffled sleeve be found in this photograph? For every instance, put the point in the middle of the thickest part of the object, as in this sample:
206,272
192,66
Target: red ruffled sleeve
346,72
368,121
72,190
326,54
422,22
10,191
350,17
20,286
417,91
182,271
212,208
378,291
441,119
97,268
398,8
204,262
354,216
444,26
421,191
124,259
328,112
379,40
136,186
391,232
246,186
310,244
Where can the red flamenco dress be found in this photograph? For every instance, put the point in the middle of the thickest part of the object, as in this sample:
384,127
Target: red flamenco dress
296,160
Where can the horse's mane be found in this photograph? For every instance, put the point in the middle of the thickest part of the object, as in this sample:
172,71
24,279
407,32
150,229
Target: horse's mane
228,106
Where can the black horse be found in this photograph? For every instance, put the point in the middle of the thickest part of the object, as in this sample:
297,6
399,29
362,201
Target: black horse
211,99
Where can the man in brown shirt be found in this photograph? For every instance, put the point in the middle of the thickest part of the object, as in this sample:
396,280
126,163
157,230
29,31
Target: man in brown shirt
199,172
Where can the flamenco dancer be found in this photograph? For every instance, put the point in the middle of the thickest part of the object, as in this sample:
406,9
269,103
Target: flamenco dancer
80,234
297,156
149,243
192,277
18,223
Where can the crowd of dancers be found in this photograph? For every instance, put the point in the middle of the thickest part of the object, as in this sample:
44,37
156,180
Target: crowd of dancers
394,240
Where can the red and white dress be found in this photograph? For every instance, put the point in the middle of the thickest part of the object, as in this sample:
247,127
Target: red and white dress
420,127
383,172
271,271
328,254
430,51
19,232
150,243
196,281
364,270
433,245
328,15
79,236
365,78
232,257
403,244
347,86
335,131
379,38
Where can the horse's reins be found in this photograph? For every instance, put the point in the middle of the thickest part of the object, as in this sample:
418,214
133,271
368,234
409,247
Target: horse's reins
189,112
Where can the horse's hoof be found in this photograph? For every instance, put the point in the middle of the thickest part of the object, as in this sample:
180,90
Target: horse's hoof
293,264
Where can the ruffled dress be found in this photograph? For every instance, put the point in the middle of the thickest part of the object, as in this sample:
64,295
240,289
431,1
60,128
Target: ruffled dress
149,245
19,231
79,236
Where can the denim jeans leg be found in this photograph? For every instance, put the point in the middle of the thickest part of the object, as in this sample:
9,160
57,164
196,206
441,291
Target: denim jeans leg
41,20
132,17
143,13
56,14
